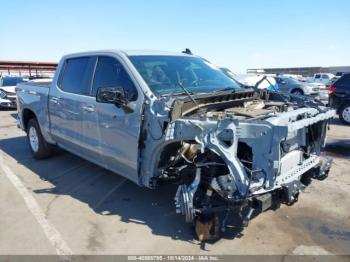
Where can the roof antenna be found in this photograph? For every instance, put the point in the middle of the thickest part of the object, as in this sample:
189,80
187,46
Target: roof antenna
187,51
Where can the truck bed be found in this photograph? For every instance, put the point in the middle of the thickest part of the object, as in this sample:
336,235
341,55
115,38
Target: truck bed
33,96
41,83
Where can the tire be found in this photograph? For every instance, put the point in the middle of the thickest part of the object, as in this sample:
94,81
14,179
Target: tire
344,114
37,144
297,92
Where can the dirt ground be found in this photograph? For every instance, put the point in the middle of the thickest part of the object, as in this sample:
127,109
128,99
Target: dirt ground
66,204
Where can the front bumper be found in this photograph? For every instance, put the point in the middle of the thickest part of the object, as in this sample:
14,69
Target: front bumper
289,192
281,160
311,91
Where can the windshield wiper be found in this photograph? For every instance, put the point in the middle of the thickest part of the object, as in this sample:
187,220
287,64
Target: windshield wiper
188,93
182,93
225,89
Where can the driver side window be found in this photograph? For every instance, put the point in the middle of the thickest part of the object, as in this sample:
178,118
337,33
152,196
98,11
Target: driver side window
110,73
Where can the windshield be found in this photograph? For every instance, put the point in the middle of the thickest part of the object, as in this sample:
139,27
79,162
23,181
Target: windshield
166,74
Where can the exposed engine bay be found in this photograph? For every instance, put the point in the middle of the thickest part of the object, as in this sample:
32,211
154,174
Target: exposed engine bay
234,152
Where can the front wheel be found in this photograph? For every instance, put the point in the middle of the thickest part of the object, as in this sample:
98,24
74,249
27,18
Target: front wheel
344,114
37,144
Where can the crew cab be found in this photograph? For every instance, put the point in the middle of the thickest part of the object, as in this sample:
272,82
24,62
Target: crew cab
158,117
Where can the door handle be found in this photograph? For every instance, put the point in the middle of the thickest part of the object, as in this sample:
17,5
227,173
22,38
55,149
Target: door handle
88,108
54,100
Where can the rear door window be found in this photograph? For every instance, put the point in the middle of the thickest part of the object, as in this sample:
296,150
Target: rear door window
317,76
77,75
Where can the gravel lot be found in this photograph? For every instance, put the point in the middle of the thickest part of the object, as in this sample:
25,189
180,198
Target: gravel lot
84,209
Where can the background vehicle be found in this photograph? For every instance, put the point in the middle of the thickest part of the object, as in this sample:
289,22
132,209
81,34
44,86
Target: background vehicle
310,81
339,74
156,117
339,97
293,86
252,80
331,82
294,76
8,92
323,93
323,77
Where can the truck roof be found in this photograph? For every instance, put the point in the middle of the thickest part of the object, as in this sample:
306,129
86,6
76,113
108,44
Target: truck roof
129,53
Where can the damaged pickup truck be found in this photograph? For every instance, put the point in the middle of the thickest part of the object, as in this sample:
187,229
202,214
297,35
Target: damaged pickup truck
156,117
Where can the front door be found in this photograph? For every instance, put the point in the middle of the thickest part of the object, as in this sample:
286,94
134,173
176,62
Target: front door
116,133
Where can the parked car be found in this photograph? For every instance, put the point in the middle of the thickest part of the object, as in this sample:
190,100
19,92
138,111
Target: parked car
323,93
7,91
294,76
310,81
158,117
339,97
293,86
323,77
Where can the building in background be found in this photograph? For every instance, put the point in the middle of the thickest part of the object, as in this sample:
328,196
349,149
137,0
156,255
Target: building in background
27,69
304,71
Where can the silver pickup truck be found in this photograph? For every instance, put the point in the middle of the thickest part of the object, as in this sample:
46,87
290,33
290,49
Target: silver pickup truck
157,117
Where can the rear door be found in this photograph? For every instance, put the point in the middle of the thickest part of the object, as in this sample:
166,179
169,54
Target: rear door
68,102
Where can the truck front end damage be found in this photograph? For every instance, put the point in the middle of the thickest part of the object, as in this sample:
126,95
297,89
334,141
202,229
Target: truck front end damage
242,152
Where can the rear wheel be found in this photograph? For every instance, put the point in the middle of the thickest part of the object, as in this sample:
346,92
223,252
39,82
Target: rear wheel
37,144
344,114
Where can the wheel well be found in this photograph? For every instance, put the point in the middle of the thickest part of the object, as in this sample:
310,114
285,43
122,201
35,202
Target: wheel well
297,89
344,104
27,114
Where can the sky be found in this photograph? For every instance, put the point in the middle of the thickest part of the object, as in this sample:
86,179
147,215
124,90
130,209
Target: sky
236,34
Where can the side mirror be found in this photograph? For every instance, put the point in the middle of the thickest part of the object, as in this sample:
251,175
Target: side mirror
116,96
112,95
